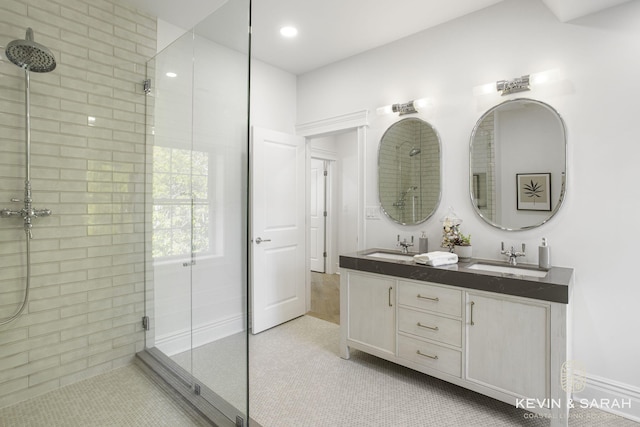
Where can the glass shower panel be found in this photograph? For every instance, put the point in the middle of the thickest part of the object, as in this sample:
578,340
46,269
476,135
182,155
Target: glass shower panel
220,124
198,191
171,194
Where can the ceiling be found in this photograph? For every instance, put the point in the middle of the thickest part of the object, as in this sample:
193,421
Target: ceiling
331,30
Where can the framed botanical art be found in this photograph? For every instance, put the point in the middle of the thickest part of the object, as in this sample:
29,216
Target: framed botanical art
534,191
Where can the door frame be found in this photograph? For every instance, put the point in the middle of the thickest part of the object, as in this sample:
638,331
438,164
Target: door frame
358,121
330,158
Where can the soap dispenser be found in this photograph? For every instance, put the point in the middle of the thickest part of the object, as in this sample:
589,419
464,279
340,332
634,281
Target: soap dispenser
544,255
423,243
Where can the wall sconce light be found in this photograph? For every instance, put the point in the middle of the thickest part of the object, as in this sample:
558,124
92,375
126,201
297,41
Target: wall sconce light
410,107
519,84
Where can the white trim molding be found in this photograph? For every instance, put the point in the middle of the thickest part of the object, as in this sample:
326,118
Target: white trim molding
334,124
186,339
610,396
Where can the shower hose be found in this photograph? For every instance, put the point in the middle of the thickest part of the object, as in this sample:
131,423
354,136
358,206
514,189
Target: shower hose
27,287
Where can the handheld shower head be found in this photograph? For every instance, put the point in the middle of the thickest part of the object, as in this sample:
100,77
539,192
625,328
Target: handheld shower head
414,151
30,55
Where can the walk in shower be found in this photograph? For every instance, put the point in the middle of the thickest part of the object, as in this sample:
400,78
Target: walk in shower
196,207
32,57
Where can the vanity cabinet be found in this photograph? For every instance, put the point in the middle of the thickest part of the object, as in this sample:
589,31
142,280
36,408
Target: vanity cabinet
508,344
371,313
504,346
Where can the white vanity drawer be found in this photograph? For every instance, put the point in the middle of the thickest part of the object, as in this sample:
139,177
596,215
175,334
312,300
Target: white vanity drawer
430,355
430,326
430,297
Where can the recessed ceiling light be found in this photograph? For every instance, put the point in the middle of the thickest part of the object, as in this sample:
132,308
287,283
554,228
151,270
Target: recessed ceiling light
171,74
289,31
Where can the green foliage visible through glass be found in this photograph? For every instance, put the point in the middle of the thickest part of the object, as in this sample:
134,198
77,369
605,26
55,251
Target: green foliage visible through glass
181,209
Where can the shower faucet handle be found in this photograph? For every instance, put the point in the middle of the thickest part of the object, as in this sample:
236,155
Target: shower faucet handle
42,212
7,213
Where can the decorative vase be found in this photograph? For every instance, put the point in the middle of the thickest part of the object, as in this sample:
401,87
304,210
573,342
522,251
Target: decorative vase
464,252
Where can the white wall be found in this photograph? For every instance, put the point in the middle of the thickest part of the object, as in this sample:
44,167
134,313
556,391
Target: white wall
596,231
167,34
273,91
273,98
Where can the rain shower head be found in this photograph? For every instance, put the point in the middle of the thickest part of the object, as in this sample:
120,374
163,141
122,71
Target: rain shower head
30,55
414,151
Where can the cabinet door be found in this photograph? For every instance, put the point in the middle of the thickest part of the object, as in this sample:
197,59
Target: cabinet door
371,313
508,345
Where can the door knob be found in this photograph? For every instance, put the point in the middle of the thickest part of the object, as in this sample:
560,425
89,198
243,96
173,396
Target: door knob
260,240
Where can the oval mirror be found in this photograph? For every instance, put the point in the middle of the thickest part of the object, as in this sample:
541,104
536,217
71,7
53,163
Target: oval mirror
409,171
518,164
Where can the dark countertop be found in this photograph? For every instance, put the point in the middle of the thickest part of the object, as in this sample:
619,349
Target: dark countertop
554,287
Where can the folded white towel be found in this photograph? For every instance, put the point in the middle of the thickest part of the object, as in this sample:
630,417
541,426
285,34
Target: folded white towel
443,261
429,256
436,258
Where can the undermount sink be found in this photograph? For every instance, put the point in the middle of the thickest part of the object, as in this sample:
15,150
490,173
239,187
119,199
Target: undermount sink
390,255
518,271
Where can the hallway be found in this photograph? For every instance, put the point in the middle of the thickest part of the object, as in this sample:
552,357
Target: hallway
325,297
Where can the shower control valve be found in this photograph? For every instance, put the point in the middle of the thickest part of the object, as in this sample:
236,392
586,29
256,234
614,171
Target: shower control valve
7,213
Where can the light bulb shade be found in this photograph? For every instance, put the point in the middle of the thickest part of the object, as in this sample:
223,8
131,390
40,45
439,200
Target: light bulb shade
387,109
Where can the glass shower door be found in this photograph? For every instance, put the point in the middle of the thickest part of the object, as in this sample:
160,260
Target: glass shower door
197,170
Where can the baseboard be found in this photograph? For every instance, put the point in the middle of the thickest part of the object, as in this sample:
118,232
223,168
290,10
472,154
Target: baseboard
618,398
204,334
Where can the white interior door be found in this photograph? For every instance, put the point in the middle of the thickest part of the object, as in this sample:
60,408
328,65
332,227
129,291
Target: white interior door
278,228
317,217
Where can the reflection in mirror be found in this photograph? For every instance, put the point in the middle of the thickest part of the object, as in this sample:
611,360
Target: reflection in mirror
409,171
518,164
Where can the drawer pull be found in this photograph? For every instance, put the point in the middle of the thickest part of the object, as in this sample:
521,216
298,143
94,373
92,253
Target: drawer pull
436,299
390,289
433,328
419,353
472,304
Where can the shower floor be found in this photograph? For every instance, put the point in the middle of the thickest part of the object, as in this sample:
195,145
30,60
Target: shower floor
123,397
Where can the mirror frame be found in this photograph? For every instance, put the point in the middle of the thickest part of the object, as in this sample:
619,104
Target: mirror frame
437,204
563,189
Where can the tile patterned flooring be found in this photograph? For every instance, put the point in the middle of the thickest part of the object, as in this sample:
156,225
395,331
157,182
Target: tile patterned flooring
125,397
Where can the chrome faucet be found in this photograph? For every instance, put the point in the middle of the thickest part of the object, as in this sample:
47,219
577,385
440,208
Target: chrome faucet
512,254
27,213
404,244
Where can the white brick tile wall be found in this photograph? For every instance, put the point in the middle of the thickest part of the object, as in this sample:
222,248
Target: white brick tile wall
87,295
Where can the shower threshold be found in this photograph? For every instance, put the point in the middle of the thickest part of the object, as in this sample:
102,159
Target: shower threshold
213,407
